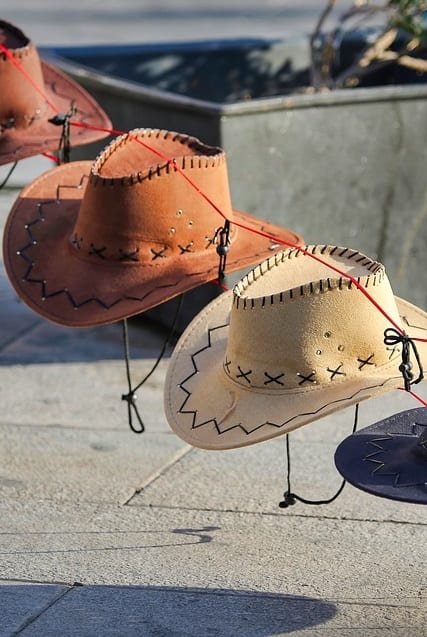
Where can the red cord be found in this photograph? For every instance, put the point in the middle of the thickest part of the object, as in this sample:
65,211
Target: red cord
421,400
52,157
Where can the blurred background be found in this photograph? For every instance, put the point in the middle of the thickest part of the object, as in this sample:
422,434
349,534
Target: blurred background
54,22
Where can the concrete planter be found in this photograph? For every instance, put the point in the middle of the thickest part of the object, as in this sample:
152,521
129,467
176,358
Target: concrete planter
345,167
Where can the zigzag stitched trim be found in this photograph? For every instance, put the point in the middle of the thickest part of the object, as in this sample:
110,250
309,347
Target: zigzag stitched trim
381,468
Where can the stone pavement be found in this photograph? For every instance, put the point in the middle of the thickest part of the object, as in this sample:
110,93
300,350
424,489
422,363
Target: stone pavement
106,533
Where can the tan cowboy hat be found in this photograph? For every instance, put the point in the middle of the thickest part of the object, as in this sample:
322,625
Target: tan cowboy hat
294,341
91,243
32,93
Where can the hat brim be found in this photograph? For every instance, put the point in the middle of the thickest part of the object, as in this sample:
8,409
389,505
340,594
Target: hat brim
207,409
57,283
43,136
385,460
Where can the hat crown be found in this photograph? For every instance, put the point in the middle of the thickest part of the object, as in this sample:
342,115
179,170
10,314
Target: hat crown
295,324
21,102
152,194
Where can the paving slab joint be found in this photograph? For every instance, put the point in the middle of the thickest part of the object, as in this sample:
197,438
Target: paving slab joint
30,620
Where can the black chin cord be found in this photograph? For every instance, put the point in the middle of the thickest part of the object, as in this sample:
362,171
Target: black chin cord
289,497
5,180
222,248
130,397
63,119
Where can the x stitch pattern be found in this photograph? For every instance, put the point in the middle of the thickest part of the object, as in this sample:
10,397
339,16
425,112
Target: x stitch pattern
365,361
307,379
273,379
132,255
304,378
336,371
97,251
159,254
186,248
244,375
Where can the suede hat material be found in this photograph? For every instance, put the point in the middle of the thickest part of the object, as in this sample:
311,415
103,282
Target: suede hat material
292,342
32,92
91,243
389,458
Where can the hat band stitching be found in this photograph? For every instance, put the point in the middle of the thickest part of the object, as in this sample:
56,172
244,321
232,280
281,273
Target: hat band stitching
99,251
227,363
275,380
128,255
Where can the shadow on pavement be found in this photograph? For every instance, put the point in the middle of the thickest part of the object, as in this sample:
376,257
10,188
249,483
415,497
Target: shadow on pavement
41,609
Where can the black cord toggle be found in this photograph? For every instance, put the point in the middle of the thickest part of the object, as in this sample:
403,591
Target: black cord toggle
223,247
393,337
130,398
61,119
58,119
288,499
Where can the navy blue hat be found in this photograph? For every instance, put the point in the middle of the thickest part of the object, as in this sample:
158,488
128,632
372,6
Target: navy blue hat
389,458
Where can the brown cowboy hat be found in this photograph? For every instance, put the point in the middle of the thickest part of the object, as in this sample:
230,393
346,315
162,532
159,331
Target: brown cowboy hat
32,93
91,243
291,343
389,458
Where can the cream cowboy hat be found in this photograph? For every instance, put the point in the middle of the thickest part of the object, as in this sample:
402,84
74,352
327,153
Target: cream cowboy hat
32,93
389,458
90,243
293,342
